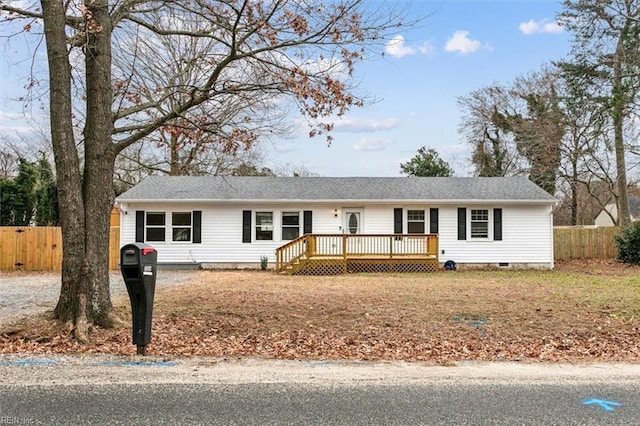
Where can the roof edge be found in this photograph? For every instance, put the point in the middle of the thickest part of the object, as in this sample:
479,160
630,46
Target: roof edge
361,201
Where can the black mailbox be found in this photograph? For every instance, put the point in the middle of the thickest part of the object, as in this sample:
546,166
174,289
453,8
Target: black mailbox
138,263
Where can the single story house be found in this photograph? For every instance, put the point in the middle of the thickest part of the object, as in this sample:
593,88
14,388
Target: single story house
227,222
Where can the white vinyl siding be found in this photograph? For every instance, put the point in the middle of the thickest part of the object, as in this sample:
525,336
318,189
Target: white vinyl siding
526,238
526,231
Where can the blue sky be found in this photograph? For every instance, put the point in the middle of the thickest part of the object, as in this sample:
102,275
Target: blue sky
460,47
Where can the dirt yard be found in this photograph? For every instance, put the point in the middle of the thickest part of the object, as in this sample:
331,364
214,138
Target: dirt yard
581,311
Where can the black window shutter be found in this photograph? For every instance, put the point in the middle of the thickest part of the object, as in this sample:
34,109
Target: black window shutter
397,221
246,226
497,224
139,226
307,227
433,221
462,223
197,226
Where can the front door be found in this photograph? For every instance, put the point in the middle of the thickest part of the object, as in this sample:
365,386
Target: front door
352,226
352,222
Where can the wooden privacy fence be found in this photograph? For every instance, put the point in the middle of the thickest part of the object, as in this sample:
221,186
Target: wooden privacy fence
39,248
585,242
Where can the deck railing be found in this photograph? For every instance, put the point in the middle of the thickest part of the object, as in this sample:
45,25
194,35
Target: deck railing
373,246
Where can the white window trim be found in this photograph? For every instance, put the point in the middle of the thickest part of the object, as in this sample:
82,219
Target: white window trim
489,236
168,227
254,235
425,221
190,240
282,226
147,227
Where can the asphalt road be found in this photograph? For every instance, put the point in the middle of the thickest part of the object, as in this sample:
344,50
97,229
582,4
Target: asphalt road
244,392
296,404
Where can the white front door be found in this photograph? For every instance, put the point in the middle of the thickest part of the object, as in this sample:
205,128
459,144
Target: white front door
352,221
352,225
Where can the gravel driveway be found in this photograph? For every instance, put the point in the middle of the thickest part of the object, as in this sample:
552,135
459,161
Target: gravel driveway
24,294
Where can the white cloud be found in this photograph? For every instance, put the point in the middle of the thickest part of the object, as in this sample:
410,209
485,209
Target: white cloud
17,133
540,27
427,48
372,144
8,115
360,126
461,43
396,48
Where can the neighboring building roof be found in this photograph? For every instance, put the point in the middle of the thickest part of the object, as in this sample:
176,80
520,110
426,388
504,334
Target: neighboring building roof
372,189
603,219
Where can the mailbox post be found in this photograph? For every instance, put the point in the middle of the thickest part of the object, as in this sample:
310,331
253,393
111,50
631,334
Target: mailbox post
138,263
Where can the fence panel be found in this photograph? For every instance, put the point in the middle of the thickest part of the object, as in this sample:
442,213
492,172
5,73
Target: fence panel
585,243
114,247
39,248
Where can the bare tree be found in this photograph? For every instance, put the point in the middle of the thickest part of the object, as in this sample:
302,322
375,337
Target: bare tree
606,54
294,170
485,126
539,129
584,151
207,138
304,51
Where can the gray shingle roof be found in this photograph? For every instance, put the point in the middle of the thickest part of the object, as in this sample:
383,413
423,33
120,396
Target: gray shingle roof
245,188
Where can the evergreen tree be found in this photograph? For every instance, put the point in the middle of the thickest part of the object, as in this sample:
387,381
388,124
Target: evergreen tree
46,195
426,162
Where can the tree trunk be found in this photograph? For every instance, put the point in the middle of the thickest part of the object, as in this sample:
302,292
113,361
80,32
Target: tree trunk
618,107
99,161
174,159
85,198
574,202
69,182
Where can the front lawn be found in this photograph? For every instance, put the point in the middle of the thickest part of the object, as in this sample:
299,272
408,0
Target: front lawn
582,311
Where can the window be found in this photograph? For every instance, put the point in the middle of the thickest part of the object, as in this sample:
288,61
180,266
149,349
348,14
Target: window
181,226
415,221
264,226
290,225
479,223
155,224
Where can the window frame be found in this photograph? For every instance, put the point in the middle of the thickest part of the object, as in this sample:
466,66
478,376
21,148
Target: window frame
188,227
486,234
411,221
284,226
163,226
256,231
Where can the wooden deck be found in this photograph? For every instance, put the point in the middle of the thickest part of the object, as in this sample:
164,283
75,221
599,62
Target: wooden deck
331,254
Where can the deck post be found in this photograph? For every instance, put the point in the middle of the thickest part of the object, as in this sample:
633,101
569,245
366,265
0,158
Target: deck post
432,245
344,246
344,253
311,246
